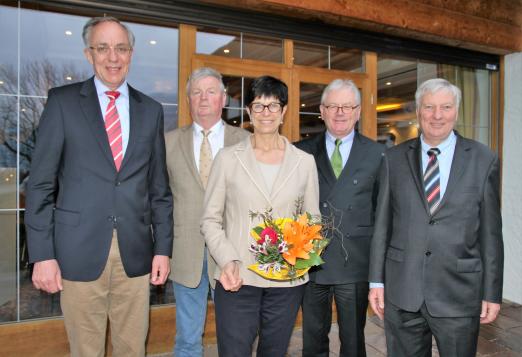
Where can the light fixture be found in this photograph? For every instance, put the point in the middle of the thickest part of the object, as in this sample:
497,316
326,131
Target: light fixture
69,78
68,33
388,83
226,50
318,117
23,109
303,105
388,107
152,42
1,82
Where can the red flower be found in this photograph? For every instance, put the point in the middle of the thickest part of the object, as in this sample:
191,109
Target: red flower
268,235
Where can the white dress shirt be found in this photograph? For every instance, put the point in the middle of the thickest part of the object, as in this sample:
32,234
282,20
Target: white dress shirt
216,139
122,105
345,148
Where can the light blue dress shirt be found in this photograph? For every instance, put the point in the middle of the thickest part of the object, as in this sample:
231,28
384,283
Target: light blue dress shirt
445,158
345,148
122,105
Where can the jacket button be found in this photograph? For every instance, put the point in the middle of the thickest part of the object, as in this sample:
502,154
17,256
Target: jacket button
433,222
428,253
325,205
118,183
355,182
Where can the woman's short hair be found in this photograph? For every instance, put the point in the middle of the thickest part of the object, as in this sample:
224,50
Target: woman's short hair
267,86
434,85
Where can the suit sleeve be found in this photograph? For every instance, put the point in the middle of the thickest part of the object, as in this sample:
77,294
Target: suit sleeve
221,249
160,194
42,186
382,230
490,236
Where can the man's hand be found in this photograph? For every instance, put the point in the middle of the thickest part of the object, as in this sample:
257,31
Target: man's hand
47,276
160,269
489,312
230,277
376,299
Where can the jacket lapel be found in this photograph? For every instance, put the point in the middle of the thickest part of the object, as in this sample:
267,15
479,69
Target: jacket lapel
91,109
459,162
414,160
187,148
247,159
230,136
136,120
323,161
290,163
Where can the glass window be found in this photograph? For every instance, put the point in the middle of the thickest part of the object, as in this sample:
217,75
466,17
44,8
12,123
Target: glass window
324,56
9,52
8,301
398,79
8,151
310,122
234,113
239,45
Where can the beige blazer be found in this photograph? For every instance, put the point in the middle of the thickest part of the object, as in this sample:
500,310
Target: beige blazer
188,193
236,187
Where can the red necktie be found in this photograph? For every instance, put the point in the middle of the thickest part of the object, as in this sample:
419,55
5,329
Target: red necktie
432,180
113,128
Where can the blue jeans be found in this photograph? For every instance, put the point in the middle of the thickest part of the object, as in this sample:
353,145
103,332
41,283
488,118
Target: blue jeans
191,311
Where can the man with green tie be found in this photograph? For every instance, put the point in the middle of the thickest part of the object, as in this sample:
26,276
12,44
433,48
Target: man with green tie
348,165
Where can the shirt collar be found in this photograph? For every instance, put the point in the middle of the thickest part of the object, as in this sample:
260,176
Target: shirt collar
216,128
443,146
344,140
102,88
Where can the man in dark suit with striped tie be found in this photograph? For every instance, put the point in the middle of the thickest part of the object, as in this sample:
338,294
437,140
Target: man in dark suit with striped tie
99,206
437,246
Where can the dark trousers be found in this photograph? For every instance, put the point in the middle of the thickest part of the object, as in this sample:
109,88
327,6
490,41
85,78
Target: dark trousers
242,315
409,334
351,301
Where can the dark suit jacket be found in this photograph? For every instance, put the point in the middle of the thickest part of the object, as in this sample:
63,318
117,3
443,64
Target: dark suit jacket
452,260
351,202
75,196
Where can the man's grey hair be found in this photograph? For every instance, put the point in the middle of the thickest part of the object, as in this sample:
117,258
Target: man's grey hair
340,84
202,73
434,85
87,29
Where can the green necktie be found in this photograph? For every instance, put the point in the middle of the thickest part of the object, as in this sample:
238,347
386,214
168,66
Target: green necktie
337,160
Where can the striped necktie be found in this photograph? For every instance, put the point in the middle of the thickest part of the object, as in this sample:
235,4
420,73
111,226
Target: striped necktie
113,128
432,180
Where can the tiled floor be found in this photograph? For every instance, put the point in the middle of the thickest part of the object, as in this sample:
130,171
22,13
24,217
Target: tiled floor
503,338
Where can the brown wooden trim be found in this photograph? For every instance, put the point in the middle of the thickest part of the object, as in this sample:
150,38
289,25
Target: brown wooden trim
187,49
368,122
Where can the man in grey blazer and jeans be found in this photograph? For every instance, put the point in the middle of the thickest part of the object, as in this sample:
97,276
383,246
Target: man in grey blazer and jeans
190,151
437,245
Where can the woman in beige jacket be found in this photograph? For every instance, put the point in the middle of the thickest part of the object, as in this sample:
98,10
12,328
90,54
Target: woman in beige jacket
263,171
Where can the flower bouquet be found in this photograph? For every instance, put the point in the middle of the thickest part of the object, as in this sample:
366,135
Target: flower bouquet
286,248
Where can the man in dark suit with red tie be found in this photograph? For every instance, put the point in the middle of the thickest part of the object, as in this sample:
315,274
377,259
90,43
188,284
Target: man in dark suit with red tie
99,206
436,262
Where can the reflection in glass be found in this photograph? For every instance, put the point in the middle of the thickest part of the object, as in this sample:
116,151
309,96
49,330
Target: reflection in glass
310,122
234,113
262,48
8,150
310,54
8,304
9,53
346,59
170,117
218,43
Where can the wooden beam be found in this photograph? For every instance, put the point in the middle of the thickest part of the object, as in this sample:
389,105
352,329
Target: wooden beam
187,49
482,25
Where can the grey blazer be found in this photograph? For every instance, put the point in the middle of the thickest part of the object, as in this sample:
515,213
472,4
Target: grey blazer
75,196
236,187
452,260
188,192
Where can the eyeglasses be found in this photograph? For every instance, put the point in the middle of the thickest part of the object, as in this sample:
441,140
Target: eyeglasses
103,50
273,107
346,109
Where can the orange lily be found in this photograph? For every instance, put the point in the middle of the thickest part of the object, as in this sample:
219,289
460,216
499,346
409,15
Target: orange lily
299,237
